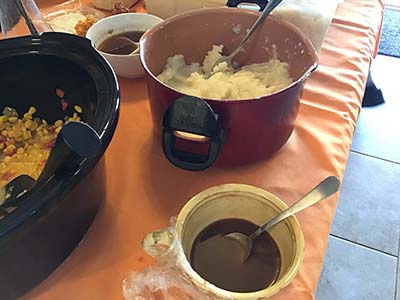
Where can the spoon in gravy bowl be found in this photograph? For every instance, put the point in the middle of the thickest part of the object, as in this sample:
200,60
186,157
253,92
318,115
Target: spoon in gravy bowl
323,190
119,45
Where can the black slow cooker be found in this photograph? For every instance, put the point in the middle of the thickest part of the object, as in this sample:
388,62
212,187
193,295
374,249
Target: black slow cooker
54,215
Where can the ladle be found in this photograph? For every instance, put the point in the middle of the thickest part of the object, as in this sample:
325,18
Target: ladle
324,189
267,10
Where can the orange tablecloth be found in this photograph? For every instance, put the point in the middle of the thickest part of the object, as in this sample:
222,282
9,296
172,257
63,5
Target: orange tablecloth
144,190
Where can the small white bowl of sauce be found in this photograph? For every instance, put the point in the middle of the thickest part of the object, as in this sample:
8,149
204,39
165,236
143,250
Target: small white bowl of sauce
117,39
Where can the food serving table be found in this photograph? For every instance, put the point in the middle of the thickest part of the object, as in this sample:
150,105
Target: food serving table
144,190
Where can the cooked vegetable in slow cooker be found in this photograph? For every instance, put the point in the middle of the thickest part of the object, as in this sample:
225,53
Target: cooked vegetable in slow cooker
25,143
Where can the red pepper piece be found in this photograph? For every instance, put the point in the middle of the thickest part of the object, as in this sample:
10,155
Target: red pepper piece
60,93
64,104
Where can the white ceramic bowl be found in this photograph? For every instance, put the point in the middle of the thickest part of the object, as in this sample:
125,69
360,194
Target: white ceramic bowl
124,65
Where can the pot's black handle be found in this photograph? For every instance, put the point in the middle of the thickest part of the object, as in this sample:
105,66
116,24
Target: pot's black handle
191,115
260,3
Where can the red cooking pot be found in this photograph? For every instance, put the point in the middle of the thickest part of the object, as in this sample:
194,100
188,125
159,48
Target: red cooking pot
232,131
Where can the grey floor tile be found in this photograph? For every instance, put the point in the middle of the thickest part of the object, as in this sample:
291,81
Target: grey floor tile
398,274
368,211
353,272
398,284
378,127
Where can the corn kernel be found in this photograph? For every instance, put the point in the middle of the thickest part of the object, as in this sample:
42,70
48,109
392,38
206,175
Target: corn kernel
32,110
9,149
58,123
32,134
3,119
17,133
27,135
78,109
27,116
45,138
28,123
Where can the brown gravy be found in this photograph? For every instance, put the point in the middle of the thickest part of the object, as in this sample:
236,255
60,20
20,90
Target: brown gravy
119,43
217,259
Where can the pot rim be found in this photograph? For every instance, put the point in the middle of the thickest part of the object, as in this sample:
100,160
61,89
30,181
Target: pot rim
293,222
187,14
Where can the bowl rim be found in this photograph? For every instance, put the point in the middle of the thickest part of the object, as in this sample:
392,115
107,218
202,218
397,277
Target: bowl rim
313,52
292,222
89,33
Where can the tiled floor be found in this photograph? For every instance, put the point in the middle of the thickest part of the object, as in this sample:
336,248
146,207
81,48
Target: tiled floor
362,260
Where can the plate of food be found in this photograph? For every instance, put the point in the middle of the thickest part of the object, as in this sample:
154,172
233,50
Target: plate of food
72,17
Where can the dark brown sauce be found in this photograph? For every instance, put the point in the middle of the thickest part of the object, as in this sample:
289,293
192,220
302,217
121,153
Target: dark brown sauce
118,43
218,259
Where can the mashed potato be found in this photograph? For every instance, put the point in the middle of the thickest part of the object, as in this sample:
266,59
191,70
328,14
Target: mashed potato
250,81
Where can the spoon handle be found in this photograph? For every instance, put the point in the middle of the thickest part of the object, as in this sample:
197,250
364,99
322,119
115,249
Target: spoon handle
323,190
28,20
267,10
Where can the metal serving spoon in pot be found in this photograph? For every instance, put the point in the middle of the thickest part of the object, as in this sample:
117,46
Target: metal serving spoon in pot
267,10
324,189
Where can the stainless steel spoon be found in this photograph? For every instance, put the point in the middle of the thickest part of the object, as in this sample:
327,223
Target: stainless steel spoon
267,10
324,189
